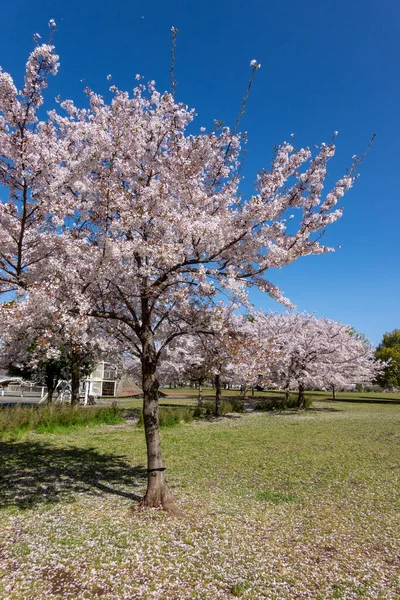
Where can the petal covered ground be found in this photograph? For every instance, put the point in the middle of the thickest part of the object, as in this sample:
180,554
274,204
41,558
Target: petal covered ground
275,507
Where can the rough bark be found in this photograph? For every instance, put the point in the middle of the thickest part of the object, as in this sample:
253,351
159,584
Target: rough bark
217,395
50,383
301,400
52,377
200,395
157,493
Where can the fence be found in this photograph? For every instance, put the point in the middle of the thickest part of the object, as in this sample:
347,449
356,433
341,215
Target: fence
23,391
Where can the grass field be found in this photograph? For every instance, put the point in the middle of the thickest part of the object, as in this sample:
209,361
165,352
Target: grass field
50,418
187,396
210,392
275,506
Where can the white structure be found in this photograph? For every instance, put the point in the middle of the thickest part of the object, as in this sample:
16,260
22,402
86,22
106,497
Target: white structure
106,380
103,380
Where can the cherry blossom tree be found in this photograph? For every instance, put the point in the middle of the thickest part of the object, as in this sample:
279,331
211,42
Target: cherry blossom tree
215,360
317,353
357,363
21,355
236,352
181,362
145,219
167,228
29,161
46,338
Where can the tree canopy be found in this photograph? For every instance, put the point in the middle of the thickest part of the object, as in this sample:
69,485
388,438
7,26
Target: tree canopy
122,213
389,351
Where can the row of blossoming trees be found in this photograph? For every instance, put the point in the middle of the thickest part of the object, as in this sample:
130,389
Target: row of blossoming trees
289,351
118,225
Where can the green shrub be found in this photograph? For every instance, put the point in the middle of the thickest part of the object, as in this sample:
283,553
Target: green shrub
55,419
198,412
170,416
237,405
228,405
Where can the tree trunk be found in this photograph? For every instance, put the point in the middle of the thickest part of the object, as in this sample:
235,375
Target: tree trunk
200,396
75,382
252,391
333,393
50,382
157,493
217,395
287,394
301,400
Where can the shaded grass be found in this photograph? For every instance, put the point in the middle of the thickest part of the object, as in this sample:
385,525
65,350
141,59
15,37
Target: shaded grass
279,402
36,473
228,405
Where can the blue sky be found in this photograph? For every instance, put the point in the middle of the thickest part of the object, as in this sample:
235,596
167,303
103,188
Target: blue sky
326,66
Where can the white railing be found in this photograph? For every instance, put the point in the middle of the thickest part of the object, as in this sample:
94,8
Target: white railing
26,391
61,397
64,395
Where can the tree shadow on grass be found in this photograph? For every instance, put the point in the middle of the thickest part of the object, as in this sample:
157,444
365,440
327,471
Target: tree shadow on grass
34,473
211,418
290,412
369,400
323,409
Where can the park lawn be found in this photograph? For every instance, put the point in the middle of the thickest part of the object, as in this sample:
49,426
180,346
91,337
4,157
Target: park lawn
364,396
187,396
208,392
318,395
275,506
171,400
